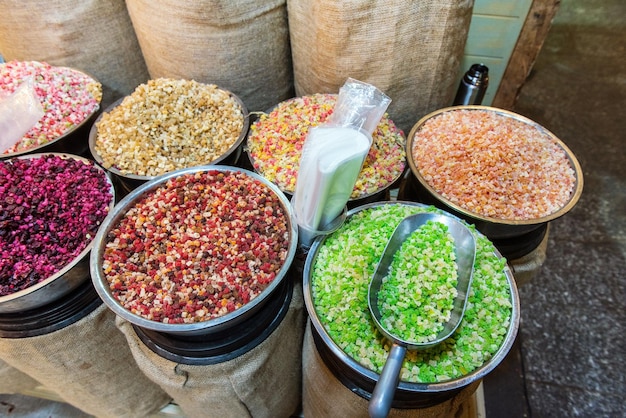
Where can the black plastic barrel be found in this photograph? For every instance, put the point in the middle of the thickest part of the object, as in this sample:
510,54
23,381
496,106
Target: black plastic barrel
222,345
51,317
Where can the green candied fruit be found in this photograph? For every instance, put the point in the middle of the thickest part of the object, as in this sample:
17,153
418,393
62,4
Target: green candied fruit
417,295
340,276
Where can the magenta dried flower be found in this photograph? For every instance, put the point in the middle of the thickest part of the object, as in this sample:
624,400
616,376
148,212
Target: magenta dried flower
50,210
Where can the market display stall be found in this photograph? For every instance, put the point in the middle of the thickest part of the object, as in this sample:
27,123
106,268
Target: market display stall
196,266
157,249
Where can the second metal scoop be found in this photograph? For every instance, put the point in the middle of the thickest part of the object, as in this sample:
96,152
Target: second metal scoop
465,249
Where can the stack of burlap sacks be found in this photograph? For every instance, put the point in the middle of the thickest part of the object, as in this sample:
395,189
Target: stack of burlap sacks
264,51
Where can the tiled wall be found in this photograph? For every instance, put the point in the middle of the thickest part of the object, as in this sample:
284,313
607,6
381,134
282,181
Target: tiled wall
493,33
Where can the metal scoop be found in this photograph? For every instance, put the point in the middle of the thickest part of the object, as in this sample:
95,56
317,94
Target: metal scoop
465,249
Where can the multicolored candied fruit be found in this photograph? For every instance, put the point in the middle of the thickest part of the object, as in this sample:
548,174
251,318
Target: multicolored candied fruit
68,97
199,246
276,139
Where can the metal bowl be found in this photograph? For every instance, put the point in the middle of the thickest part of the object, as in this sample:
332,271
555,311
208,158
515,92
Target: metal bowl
65,280
362,380
74,141
493,228
362,199
199,328
130,181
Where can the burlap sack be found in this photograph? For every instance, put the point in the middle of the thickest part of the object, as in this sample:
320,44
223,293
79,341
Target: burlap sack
14,381
264,382
88,364
324,396
240,45
527,267
95,36
411,50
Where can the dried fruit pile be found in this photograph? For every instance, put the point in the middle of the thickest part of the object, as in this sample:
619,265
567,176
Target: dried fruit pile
493,165
168,124
340,276
417,295
197,247
276,139
67,96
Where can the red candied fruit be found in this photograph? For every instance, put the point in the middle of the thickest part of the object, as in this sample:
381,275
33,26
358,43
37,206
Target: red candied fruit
198,247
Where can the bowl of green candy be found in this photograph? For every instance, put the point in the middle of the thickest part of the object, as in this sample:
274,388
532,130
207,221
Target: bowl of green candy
336,277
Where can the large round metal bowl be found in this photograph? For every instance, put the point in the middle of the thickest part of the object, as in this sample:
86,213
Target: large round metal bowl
211,326
493,228
130,181
73,141
373,195
66,280
361,380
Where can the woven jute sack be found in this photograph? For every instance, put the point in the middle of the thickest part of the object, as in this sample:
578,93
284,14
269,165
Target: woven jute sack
88,364
411,50
265,382
240,45
95,36
14,381
324,396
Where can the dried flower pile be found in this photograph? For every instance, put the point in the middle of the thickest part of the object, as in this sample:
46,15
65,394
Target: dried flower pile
50,210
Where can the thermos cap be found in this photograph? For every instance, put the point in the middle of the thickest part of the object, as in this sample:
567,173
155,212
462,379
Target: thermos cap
473,86
478,74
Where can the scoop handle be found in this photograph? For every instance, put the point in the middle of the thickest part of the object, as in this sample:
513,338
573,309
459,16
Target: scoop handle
385,388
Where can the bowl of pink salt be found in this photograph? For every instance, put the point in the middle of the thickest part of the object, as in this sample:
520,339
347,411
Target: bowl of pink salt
52,207
70,100
499,170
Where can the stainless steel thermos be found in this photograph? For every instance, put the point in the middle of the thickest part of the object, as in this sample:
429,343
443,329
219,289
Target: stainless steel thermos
473,86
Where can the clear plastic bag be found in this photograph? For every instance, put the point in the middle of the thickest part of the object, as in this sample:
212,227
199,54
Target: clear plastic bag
19,112
333,155
359,106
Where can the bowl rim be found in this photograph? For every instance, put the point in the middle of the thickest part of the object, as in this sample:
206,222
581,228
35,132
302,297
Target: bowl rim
204,327
41,148
435,387
361,197
575,165
93,136
83,254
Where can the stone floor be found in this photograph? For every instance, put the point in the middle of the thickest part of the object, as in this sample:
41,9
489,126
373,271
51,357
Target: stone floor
570,356
569,359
